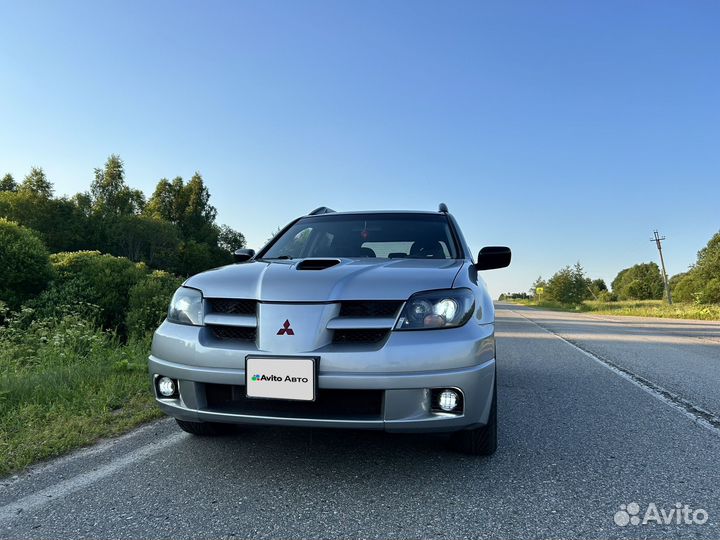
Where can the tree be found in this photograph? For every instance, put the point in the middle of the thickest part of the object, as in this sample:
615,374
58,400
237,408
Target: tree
559,286
110,194
8,183
166,201
37,184
688,288
569,285
598,285
59,223
144,238
187,206
619,279
674,280
639,282
702,282
194,257
708,260
539,283
229,239
199,215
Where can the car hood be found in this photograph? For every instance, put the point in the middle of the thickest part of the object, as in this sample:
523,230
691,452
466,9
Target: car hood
350,279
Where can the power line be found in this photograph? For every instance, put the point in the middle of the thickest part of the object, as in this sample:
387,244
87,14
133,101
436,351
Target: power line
658,242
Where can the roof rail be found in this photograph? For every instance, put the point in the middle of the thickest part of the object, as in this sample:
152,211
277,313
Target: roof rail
443,208
321,210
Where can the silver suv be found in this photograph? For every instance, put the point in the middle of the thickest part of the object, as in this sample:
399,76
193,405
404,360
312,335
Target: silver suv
371,320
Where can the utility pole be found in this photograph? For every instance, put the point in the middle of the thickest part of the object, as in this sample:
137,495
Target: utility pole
658,242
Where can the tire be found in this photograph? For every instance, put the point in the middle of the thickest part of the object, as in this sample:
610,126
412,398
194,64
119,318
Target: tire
479,441
204,429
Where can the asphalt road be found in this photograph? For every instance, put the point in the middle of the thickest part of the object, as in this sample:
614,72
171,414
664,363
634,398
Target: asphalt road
595,412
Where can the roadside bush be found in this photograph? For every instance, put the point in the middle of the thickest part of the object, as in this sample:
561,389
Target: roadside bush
710,293
92,278
58,301
701,283
148,303
687,288
28,340
639,282
25,268
607,296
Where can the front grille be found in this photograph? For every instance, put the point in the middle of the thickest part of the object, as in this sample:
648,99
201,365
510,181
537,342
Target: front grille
370,308
328,404
238,333
232,306
360,336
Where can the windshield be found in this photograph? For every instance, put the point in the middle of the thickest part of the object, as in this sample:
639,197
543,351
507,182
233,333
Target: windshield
393,236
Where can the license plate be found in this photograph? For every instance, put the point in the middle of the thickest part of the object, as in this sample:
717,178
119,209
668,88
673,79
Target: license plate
280,378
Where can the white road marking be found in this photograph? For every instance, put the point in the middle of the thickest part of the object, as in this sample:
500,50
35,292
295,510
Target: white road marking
700,416
76,483
98,448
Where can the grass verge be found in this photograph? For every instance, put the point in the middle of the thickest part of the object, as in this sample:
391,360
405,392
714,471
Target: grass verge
65,386
636,308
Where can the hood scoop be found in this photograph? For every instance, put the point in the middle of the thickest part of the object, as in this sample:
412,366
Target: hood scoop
317,264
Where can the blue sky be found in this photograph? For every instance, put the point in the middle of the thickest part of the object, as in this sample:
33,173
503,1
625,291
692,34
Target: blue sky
566,130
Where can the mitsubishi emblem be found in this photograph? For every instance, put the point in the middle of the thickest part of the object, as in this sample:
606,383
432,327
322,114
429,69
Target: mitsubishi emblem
286,330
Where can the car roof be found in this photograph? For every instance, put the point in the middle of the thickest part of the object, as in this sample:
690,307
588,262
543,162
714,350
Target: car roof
355,212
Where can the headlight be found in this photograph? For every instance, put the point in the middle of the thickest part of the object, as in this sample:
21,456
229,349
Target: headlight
186,307
437,309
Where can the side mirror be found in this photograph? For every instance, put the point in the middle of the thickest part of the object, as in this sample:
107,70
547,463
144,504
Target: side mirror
493,257
243,255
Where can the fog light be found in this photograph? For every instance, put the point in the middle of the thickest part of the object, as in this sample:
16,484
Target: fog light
448,400
166,387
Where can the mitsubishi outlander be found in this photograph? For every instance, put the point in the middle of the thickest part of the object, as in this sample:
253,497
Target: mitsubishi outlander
370,320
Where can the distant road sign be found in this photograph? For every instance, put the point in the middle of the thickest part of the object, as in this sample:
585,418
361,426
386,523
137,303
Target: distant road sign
539,290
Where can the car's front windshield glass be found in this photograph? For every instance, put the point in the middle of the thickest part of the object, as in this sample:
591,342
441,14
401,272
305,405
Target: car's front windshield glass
393,236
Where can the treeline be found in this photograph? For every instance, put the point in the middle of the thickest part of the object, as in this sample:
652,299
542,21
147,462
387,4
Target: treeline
514,296
569,285
644,281
173,230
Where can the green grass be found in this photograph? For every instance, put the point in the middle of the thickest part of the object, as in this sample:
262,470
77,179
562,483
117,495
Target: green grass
637,308
64,385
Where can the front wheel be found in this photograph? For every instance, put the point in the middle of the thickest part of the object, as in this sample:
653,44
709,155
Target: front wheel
204,429
479,441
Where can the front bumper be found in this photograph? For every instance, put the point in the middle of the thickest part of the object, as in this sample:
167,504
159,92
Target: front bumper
462,358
